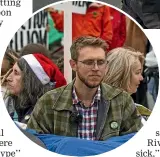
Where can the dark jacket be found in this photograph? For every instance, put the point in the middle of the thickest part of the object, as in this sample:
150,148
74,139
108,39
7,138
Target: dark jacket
145,12
151,6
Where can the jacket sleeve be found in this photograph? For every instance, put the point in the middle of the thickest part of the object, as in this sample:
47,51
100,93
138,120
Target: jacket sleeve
131,121
39,119
58,18
107,32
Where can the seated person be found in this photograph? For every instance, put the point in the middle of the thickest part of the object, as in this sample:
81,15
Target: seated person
125,71
32,76
86,108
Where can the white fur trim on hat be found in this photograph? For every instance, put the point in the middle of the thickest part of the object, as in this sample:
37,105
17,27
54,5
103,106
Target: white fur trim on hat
37,68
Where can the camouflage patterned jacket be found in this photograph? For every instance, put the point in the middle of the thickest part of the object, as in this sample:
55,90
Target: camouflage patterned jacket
117,114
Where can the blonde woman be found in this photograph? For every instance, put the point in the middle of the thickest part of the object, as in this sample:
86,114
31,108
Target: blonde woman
124,71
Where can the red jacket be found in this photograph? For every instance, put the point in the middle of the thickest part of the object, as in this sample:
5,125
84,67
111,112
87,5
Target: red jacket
96,22
119,28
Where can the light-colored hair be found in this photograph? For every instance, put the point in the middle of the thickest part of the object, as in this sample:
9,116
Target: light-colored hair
85,41
121,62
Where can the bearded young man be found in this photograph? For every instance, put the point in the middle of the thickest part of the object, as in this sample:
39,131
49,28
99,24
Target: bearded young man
86,108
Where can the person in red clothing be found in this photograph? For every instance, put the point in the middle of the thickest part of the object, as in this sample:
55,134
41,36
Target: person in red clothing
119,28
96,22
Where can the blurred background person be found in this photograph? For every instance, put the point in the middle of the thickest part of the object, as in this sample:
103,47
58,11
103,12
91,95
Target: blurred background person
34,48
39,48
151,74
95,22
136,39
118,28
55,39
125,68
32,76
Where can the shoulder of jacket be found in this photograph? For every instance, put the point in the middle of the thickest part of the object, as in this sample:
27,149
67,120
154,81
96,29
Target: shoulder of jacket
50,99
111,92
53,93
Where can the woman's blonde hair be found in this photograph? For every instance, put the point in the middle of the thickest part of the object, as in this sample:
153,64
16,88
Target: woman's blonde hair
121,62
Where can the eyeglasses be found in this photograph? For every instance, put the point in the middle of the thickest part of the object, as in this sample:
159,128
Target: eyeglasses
90,64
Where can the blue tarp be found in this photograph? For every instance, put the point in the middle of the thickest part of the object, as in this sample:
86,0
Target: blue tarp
79,147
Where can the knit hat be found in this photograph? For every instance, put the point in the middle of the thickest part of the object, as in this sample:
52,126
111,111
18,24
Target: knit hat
45,70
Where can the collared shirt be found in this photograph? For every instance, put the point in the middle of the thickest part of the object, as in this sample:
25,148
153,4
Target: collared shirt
87,128
51,114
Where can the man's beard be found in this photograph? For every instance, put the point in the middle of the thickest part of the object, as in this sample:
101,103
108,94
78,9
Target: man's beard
87,83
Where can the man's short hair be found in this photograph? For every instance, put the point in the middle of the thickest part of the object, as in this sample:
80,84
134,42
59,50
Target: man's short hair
86,41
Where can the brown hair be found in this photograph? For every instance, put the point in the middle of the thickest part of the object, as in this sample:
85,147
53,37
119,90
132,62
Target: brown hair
86,41
34,48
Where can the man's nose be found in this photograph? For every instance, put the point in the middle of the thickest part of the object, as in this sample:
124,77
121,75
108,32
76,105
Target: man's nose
95,66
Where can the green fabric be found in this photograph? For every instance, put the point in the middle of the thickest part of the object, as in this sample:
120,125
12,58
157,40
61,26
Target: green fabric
52,113
143,110
54,34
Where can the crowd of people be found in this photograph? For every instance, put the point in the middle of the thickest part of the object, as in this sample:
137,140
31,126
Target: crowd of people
112,26
98,103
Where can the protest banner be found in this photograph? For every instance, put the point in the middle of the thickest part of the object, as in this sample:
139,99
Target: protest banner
33,31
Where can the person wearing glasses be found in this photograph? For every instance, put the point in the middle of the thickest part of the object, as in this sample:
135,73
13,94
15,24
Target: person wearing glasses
86,108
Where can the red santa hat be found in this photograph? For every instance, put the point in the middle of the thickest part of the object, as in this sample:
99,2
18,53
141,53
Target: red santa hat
45,69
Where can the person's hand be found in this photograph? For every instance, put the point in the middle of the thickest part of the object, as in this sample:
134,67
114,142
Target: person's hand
94,4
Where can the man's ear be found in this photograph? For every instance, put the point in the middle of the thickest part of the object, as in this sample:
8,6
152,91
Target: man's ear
73,64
